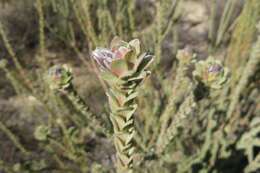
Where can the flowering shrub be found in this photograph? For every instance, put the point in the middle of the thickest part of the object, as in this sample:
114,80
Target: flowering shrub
123,69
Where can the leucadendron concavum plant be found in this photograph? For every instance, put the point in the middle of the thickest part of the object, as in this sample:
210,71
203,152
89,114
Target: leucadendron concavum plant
124,68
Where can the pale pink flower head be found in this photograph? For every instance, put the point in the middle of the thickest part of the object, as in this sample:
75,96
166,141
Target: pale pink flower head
120,58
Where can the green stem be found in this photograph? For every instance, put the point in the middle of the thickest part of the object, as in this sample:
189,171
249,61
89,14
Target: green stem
122,117
213,12
42,60
248,71
225,20
14,58
186,109
81,106
13,138
181,85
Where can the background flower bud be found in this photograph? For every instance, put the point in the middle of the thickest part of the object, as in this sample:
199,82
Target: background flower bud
59,77
42,132
211,72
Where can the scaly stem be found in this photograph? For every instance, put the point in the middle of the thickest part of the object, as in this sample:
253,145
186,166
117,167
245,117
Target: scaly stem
122,118
82,107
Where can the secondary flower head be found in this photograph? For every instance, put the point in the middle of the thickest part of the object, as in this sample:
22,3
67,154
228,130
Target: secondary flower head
59,77
122,58
211,72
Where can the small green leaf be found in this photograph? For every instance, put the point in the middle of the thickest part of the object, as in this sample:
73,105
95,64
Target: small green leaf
110,78
120,121
143,62
119,67
130,113
115,124
119,144
114,105
136,45
124,159
130,58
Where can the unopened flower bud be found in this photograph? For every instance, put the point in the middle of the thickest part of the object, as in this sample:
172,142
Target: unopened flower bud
59,77
42,133
211,72
122,57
